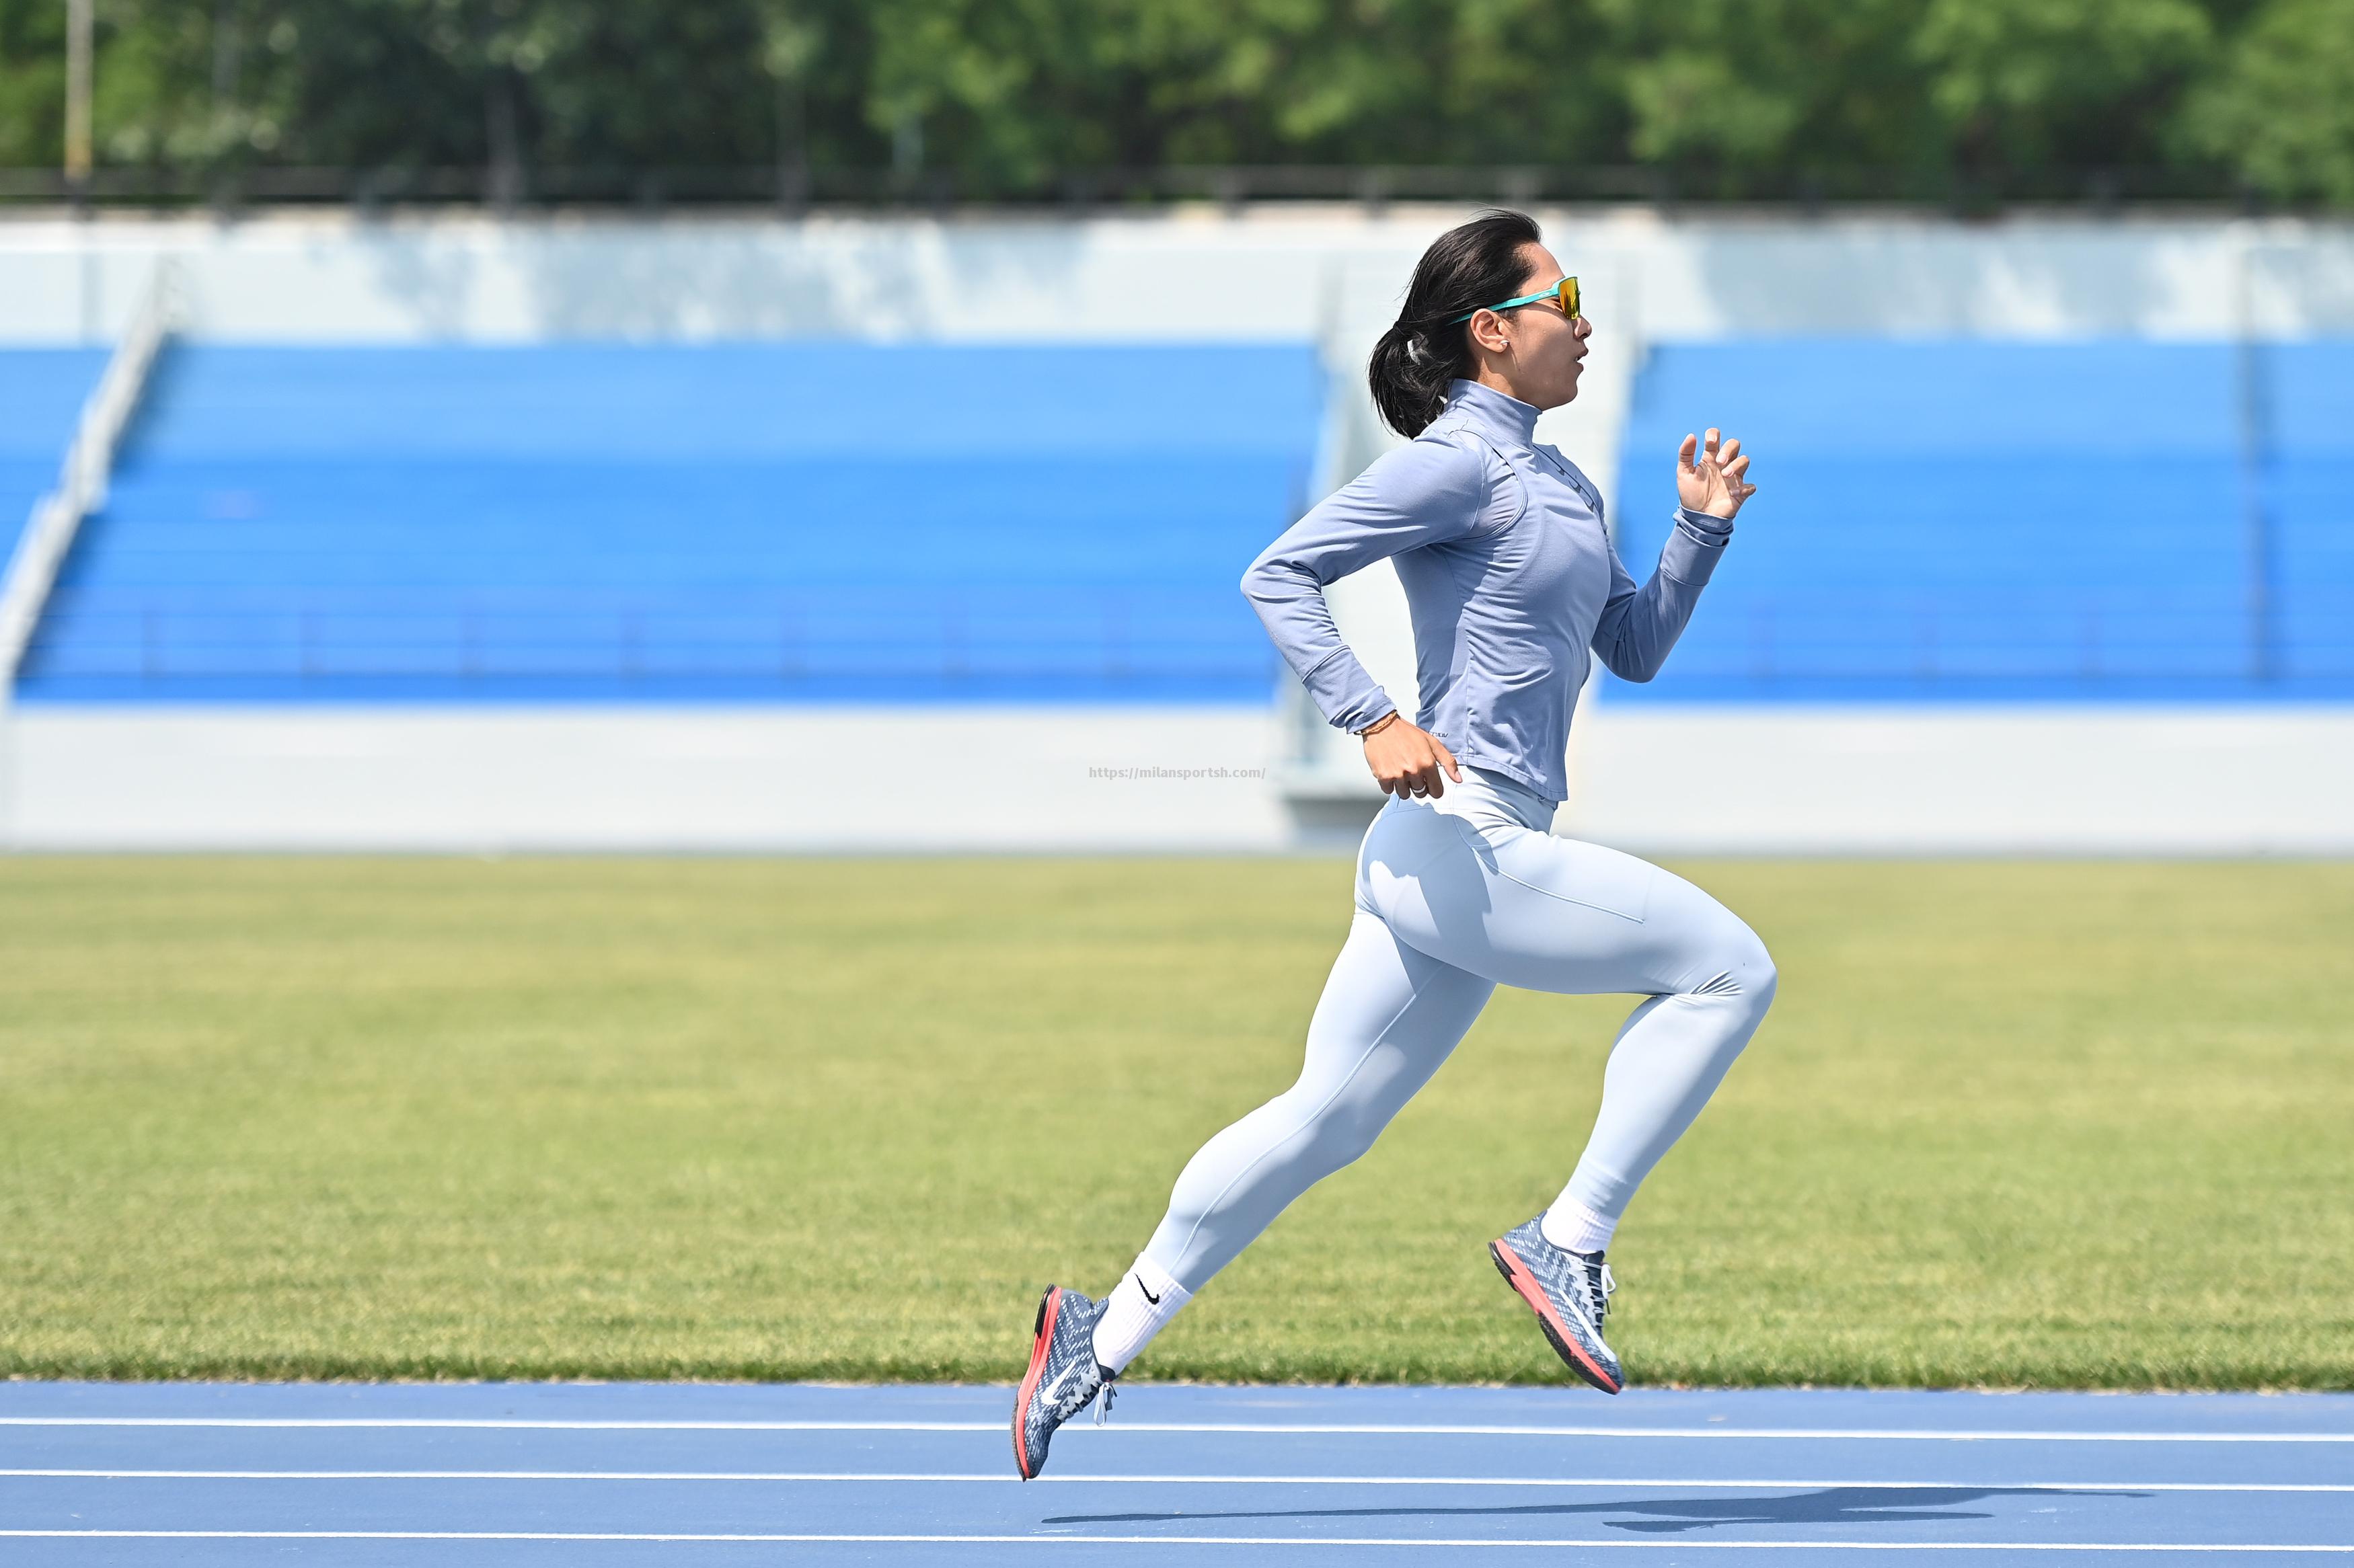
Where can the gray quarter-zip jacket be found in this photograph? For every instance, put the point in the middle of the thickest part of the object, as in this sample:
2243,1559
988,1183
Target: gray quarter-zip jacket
1509,574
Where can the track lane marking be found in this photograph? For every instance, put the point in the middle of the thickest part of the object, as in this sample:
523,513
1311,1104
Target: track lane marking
993,1478
1778,1434
1451,1543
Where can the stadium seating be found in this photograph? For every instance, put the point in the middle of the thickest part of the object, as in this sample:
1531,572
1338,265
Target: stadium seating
737,522
1961,521
41,395
1939,521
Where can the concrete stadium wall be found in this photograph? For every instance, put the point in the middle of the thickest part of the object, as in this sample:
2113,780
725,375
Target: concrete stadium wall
492,779
1737,779
1274,271
2050,779
1816,778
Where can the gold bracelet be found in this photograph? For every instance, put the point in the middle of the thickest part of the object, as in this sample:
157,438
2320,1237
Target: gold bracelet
1378,725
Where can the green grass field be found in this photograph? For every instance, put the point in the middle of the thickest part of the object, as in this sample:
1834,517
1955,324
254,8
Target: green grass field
2050,1125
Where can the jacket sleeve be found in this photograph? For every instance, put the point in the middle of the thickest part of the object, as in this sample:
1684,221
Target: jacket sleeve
1424,493
1638,626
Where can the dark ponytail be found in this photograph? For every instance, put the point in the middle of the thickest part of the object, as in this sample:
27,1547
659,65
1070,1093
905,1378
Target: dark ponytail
1478,264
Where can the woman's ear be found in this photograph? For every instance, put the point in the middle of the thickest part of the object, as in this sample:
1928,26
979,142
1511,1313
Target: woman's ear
1490,331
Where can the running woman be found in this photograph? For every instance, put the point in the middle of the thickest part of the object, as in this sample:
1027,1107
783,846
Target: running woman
1460,886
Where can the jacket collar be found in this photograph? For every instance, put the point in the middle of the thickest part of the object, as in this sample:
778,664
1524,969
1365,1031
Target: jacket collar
1504,417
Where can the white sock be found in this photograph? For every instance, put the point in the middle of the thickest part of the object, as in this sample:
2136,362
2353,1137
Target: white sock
1133,1316
1572,1225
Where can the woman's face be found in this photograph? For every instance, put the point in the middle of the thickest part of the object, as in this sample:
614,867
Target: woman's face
1534,353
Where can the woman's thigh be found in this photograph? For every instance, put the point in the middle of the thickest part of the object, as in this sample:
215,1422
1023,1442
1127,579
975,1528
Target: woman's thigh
1526,908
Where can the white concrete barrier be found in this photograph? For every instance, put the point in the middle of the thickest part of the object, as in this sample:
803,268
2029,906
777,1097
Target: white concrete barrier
1679,780
492,779
1277,271
2055,780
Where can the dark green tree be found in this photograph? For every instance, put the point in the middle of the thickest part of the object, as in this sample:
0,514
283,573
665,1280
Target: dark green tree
2281,111
2029,85
1734,97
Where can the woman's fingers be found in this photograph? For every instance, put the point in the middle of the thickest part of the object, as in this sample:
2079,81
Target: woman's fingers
1437,761
1736,468
1409,763
1714,446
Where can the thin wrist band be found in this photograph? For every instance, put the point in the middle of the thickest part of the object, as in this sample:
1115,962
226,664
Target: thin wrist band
1378,725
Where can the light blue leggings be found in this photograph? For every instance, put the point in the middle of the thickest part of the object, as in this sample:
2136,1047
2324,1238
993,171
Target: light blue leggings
1454,899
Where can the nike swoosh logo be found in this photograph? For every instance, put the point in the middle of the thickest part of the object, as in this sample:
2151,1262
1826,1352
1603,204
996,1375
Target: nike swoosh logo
1047,1394
1147,1293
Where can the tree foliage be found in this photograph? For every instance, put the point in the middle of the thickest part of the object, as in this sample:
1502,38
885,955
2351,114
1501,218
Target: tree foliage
2281,110
1733,97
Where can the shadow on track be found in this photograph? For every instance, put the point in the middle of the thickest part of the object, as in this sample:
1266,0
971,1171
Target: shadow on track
1836,1504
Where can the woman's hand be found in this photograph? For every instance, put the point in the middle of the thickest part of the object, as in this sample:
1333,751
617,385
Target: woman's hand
1406,761
1718,483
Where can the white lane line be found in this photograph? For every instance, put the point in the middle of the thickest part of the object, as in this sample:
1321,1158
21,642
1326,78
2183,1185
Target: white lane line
997,1478
1452,1544
1279,1429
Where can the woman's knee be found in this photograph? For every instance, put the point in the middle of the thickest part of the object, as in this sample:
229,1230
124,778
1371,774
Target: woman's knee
1758,964
1735,967
1752,970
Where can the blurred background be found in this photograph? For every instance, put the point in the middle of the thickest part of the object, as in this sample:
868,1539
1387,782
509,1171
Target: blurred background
508,401
823,440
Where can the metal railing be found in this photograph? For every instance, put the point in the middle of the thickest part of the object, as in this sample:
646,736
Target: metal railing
793,186
1105,640
81,481
2119,636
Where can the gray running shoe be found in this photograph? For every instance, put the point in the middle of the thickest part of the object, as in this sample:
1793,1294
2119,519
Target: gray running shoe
1063,1375
1569,1292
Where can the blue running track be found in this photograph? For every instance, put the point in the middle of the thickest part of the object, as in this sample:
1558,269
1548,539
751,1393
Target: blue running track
538,1474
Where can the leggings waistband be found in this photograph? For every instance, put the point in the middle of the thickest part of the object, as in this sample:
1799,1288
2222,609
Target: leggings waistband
1484,793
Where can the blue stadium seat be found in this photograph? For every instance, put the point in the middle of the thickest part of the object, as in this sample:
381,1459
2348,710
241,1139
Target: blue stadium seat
1940,520
2308,452
41,394
740,522
1972,521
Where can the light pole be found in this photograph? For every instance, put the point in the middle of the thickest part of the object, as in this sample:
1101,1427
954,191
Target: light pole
77,52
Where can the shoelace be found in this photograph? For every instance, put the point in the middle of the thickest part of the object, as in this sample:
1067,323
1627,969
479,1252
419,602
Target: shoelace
1103,1409
1595,1284
1599,1287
